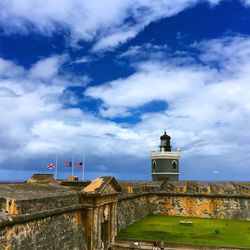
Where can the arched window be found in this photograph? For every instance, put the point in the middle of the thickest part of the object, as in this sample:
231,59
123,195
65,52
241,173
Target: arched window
154,166
174,164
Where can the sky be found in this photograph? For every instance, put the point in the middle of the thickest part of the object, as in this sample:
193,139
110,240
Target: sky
101,81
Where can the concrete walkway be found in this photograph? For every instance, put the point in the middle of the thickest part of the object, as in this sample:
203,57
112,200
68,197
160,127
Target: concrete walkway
126,246
122,244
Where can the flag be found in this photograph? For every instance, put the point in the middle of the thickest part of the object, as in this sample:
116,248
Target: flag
79,165
68,164
51,166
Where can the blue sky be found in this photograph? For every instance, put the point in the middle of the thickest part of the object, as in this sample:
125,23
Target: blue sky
105,78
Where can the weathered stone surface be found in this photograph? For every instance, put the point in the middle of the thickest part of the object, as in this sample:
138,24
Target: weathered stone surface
227,200
58,232
81,215
52,216
131,210
101,196
41,178
103,185
28,198
204,207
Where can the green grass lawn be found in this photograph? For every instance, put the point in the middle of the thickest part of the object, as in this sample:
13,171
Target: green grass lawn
204,231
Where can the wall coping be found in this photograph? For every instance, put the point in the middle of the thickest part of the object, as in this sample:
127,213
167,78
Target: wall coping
16,219
132,196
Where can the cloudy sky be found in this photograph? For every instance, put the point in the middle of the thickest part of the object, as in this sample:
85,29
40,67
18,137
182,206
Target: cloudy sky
104,78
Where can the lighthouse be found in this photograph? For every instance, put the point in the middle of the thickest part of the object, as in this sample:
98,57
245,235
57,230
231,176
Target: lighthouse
165,162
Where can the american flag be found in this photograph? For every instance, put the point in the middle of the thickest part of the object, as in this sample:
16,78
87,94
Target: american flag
79,164
51,166
68,164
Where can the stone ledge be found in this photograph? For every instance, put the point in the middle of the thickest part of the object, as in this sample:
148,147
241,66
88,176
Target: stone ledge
245,196
132,196
25,206
12,220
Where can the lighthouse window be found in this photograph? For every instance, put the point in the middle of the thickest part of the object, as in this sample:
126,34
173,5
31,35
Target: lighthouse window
154,166
174,164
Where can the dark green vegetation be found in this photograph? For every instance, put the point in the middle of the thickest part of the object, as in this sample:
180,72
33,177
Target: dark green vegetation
212,232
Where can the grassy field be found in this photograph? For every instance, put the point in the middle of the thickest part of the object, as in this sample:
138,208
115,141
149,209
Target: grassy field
204,231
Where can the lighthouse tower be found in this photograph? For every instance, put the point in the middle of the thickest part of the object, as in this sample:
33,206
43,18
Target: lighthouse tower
165,163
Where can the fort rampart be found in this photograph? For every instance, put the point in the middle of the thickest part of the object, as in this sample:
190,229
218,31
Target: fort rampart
81,215
194,199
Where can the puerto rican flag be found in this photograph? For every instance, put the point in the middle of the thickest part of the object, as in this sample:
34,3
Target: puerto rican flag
67,164
51,166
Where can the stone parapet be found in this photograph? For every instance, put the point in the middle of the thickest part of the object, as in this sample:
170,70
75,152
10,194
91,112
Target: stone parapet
228,200
77,215
187,187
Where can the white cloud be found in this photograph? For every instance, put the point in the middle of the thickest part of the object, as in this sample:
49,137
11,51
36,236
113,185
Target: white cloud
246,2
83,59
114,112
47,68
8,68
132,51
29,98
89,20
146,51
208,109
36,124
153,81
5,92
115,39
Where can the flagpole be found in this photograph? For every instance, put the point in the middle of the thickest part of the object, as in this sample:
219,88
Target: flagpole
72,165
56,168
83,164
43,167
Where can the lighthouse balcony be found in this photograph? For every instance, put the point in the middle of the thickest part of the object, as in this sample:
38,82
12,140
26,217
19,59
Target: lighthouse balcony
165,155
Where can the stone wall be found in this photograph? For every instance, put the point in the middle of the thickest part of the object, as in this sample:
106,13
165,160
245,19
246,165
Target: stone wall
53,216
201,206
2,203
31,205
131,210
63,231
40,216
44,214
194,199
133,203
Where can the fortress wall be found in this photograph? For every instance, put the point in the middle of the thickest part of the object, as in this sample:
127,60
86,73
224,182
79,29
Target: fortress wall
229,207
32,205
62,231
45,203
131,209
2,203
40,216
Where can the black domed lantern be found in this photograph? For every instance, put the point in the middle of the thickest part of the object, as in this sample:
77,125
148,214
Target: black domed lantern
165,142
